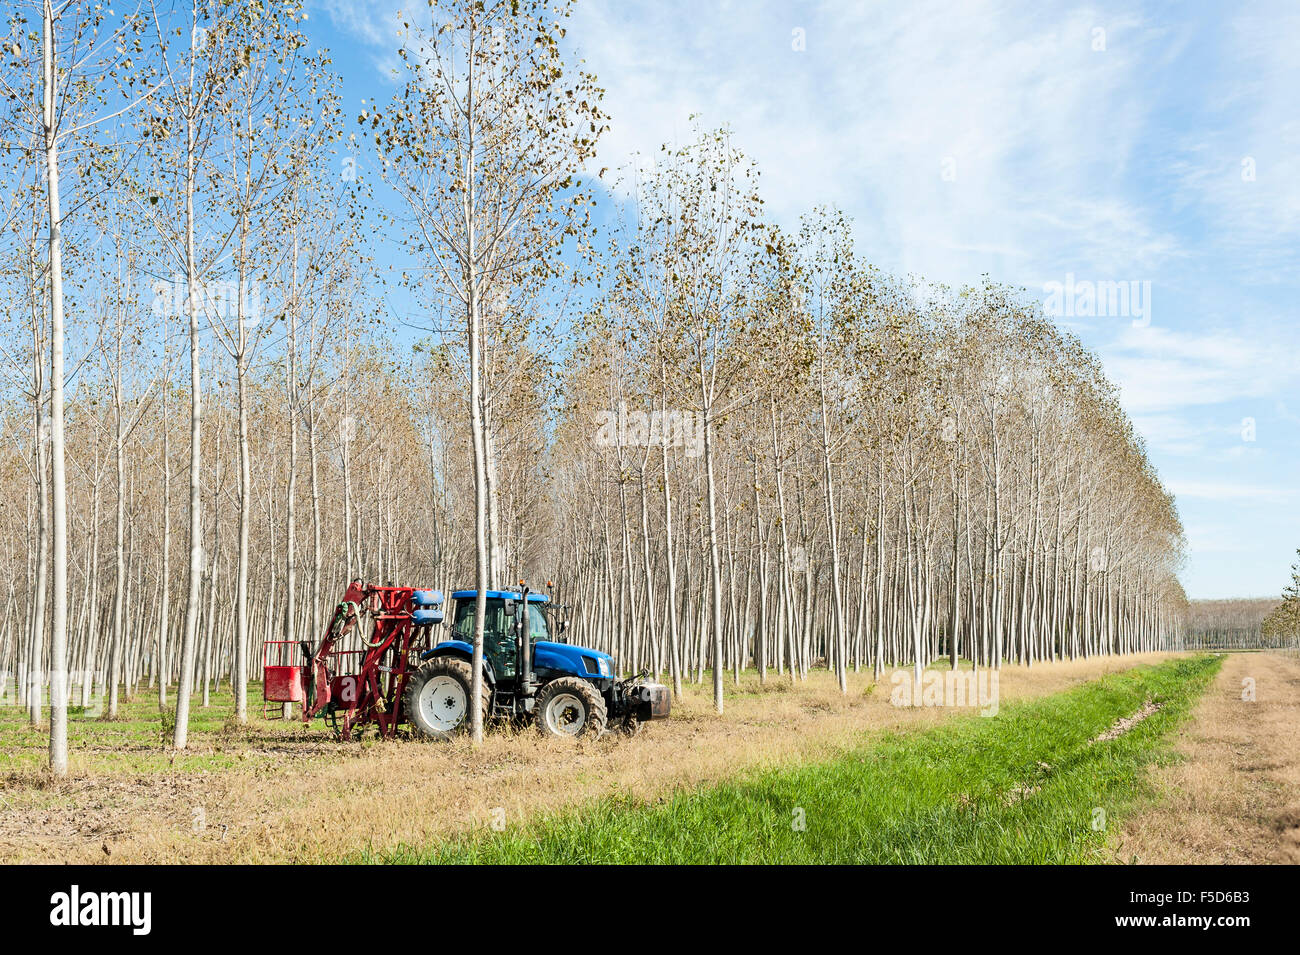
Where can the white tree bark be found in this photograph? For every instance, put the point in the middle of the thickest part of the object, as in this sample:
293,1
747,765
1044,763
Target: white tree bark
59,613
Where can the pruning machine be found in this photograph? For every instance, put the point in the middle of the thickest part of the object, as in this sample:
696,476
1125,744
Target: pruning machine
380,662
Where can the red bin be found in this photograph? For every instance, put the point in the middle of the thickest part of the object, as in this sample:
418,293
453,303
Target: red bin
281,684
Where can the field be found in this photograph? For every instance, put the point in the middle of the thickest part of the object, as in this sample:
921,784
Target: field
1027,786
789,773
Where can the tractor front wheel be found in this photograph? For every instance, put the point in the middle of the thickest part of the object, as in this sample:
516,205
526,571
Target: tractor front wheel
570,707
437,698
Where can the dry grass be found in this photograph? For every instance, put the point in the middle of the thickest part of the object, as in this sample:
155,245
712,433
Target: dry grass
317,801
1234,797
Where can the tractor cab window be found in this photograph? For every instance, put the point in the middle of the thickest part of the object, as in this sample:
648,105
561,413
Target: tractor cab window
497,621
537,622
498,634
498,631
464,625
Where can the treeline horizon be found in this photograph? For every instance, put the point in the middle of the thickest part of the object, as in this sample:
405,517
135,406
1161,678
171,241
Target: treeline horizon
1232,622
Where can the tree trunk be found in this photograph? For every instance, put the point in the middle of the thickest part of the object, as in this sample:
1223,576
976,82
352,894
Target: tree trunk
59,612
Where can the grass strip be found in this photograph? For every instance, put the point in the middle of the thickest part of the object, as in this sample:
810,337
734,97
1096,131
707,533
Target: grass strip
1024,786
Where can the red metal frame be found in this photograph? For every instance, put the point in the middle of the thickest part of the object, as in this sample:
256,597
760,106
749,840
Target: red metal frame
365,685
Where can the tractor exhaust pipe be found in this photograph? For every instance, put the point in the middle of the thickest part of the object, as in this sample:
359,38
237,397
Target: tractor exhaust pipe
525,665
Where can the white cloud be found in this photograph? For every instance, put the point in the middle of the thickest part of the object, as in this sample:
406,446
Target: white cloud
1226,491
1177,434
884,100
1161,370
378,25
1205,539
1252,220
371,23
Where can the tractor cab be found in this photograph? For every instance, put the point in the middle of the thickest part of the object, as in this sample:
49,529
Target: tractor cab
499,625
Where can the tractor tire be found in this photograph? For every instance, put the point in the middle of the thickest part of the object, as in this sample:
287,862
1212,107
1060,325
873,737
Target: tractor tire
436,698
570,707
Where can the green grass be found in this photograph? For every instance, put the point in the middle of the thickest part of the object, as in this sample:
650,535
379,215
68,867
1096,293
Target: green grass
1024,786
139,739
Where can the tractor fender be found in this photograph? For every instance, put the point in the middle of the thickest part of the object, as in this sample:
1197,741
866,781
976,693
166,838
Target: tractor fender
462,650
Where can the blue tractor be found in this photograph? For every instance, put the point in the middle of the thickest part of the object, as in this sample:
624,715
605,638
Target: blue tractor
529,675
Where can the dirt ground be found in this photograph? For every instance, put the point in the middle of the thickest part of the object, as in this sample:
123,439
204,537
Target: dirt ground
1234,796
318,800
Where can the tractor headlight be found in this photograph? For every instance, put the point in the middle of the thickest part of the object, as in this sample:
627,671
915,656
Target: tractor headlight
605,668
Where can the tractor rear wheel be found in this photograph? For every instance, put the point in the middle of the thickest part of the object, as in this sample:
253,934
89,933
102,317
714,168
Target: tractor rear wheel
570,707
437,698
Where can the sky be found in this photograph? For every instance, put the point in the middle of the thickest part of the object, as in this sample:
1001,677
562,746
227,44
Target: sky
1146,152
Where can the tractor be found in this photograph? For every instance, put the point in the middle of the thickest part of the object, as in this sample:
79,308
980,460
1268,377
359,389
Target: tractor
380,661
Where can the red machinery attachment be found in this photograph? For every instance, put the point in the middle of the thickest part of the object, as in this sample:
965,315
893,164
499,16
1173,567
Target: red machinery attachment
362,680
282,678
282,684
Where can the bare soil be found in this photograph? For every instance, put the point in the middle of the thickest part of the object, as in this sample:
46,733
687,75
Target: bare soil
1127,723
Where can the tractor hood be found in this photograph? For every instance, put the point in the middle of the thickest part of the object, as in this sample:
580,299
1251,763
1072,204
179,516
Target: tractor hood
576,660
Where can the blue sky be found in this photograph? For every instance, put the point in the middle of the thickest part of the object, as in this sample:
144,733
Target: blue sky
1155,144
